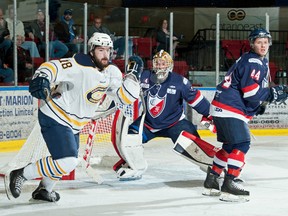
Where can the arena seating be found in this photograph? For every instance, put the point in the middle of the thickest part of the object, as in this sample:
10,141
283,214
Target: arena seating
144,47
233,49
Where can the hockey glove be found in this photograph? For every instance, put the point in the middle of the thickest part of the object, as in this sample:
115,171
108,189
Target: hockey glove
261,110
207,121
278,93
135,66
39,87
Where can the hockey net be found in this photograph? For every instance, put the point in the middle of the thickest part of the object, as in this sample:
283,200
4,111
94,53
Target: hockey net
103,152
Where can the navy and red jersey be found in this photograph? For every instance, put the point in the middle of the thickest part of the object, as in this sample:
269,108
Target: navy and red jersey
244,87
165,101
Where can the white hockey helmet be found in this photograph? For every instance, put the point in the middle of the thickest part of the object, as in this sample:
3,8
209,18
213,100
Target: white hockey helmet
162,73
100,39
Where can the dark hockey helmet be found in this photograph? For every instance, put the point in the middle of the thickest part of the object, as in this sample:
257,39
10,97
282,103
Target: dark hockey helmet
259,33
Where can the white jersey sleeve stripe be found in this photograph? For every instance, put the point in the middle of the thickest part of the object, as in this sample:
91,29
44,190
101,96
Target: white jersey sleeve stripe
50,67
196,101
250,90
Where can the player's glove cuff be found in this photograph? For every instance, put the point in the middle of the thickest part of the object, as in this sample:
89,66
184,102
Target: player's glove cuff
278,93
39,87
207,121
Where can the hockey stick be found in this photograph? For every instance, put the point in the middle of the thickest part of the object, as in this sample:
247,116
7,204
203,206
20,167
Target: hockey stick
87,154
91,136
105,108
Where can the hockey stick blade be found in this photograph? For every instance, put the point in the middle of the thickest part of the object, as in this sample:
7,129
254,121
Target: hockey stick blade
92,172
86,157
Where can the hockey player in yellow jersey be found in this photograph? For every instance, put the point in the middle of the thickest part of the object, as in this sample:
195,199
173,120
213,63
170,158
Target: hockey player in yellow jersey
70,91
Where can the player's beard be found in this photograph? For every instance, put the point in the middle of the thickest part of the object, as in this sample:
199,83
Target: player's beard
101,63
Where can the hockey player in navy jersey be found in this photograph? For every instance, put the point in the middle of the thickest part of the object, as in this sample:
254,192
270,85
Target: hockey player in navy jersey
165,93
79,83
242,94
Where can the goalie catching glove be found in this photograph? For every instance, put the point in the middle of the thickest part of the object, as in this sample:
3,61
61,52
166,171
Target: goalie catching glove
39,87
207,121
131,84
134,67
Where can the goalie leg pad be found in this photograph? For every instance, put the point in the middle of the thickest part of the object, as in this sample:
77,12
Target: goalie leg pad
131,150
195,150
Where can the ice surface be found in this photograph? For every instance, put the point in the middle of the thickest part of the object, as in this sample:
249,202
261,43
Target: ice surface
171,186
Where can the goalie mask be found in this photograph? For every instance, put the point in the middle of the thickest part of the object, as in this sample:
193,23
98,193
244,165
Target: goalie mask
259,33
162,65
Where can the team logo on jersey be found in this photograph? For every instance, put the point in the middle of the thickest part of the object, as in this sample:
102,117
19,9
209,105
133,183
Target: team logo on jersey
156,104
96,95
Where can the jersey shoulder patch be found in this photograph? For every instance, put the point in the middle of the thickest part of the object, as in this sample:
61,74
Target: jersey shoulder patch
255,60
84,60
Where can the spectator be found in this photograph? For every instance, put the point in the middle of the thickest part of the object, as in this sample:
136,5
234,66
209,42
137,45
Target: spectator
66,32
118,44
24,63
5,42
57,49
163,37
6,73
19,30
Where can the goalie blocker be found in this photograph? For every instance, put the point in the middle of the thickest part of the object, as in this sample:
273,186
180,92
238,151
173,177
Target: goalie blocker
195,150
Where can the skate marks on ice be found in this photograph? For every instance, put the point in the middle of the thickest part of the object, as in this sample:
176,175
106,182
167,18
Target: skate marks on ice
171,186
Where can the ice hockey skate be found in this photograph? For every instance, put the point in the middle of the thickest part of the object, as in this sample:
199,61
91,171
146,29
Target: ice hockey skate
232,191
41,194
14,182
211,184
128,174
